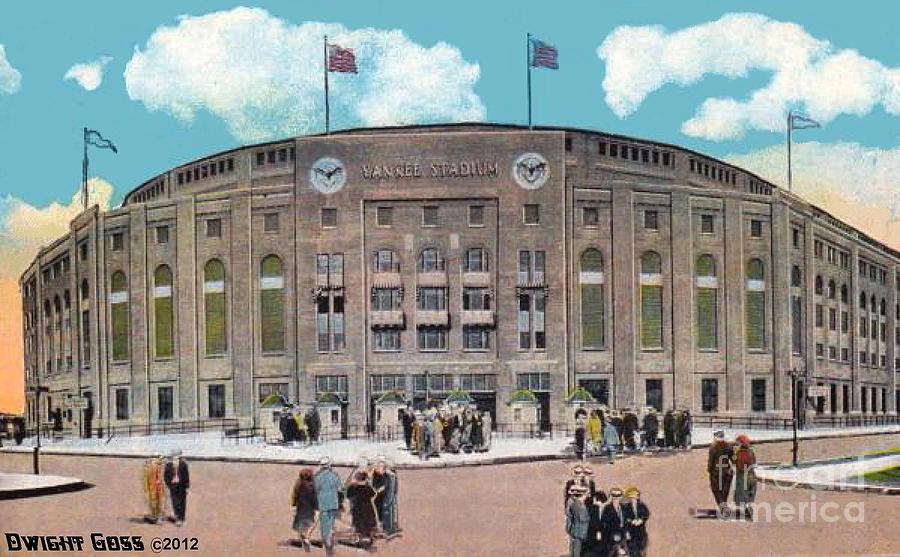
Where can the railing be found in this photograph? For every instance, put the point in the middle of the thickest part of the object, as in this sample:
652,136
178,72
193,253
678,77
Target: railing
238,433
742,422
854,421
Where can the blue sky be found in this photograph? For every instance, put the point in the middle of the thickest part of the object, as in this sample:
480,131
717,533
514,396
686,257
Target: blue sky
40,145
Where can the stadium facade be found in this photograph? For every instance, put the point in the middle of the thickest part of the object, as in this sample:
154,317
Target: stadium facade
478,257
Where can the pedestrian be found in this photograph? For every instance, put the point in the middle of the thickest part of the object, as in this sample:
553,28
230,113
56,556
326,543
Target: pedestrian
636,515
477,430
579,435
669,429
577,478
744,477
594,431
418,435
678,426
610,439
437,435
427,437
630,425
719,469
303,499
406,422
154,488
616,419
612,525
329,500
577,519
178,479
486,431
313,423
361,495
687,423
384,480
651,428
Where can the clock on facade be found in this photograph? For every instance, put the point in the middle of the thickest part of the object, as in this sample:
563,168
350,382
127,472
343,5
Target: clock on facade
327,175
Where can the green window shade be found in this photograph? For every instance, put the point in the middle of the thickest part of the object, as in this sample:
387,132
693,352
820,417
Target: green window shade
120,330
272,315
592,320
164,330
651,316
707,319
755,308
215,323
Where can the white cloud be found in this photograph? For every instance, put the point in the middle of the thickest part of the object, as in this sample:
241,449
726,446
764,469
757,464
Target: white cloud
10,78
90,74
263,75
24,228
807,73
855,183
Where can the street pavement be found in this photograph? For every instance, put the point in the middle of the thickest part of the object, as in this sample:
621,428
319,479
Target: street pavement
514,509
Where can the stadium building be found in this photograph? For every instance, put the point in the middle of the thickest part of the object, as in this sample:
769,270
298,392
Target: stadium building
484,258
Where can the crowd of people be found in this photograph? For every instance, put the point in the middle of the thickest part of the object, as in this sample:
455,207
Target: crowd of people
161,474
371,491
600,524
732,464
298,427
433,431
602,431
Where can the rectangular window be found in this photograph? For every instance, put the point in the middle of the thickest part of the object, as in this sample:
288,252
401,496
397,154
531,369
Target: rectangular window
820,350
386,340
385,299
709,393
758,395
651,220
430,216
531,214
590,217
162,234
601,148
260,158
845,322
117,241
329,217
535,382
756,228
121,404
832,319
476,382
651,316
654,393
845,354
755,316
270,222
331,384
268,389
216,401
819,316
432,298
384,216
568,144
83,251
797,325
165,403
707,224
476,338
432,338
86,338
795,238
213,228
476,299
524,321
476,215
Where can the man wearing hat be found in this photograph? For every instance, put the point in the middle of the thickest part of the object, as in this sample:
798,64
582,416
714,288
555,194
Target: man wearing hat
651,428
577,518
612,523
719,469
636,515
178,479
384,480
329,495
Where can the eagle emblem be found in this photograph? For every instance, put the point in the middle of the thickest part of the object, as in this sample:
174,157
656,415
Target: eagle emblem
531,170
327,175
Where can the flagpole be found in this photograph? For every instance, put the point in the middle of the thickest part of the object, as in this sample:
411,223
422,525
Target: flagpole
84,173
325,67
528,65
789,126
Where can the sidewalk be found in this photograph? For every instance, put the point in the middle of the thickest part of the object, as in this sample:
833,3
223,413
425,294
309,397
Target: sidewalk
212,446
17,486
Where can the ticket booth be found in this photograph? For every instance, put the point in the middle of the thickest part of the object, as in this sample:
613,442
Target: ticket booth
387,414
459,400
524,410
269,414
330,407
579,403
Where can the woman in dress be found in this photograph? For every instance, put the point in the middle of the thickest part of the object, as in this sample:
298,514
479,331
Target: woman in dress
303,499
744,477
361,495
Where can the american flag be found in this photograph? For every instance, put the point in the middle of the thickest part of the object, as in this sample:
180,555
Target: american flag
544,55
341,60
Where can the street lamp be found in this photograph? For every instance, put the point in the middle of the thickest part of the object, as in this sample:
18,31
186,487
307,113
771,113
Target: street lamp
37,390
796,397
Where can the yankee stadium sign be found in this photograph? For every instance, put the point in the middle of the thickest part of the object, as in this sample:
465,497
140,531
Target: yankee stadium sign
444,169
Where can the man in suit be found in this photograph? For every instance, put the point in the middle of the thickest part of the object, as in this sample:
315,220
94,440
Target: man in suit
612,523
329,497
720,470
636,515
178,479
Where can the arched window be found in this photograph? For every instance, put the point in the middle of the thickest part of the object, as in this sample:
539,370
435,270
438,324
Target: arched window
476,261
832,289
85,290
163,313
651,300
862,300
120,315
845,296
755,305
386,261
430,260
271,303
215,309
819,285
593,301
707,296
796,276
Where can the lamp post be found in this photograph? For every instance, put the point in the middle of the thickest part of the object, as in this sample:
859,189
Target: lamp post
37,390
796,396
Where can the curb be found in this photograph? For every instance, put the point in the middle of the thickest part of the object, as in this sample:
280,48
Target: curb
498,461
24,493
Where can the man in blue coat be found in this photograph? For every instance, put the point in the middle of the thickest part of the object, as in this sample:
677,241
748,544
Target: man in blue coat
384,480
329,496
